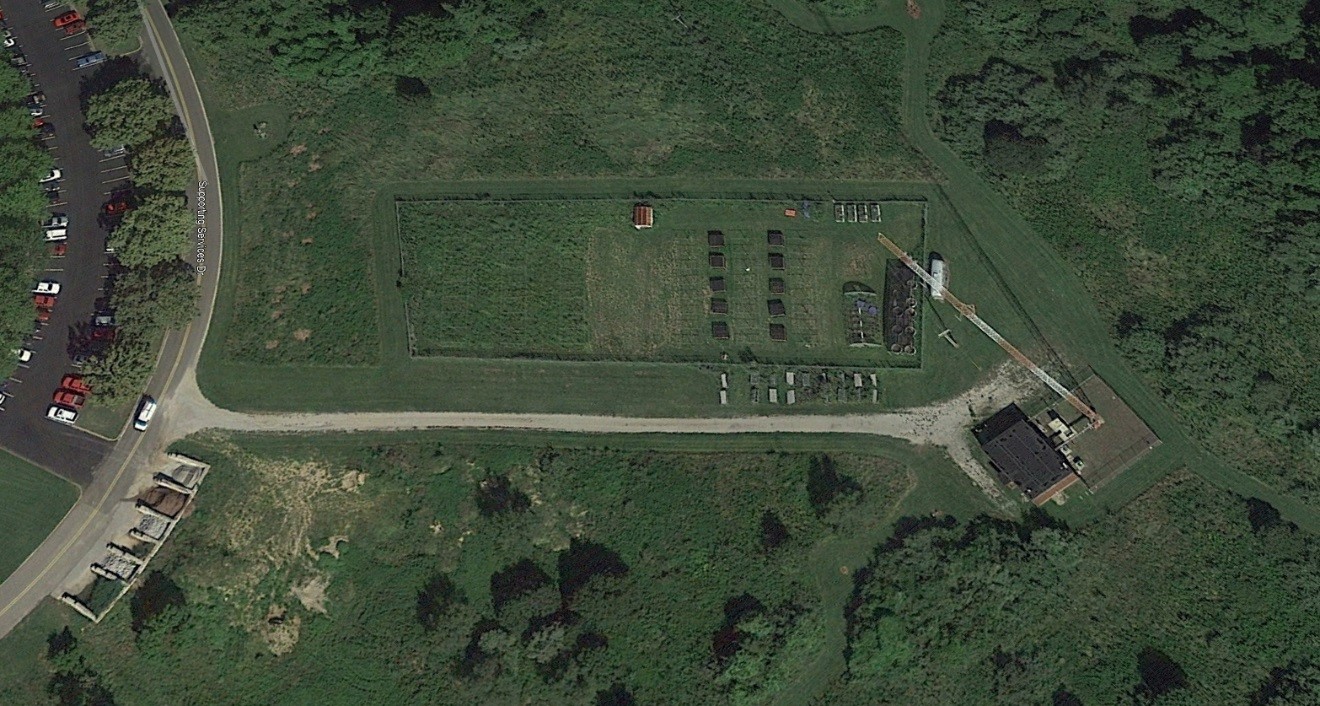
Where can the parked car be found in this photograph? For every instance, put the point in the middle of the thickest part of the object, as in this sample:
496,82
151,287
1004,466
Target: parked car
56,235
116,208
87,60
44,301
69,398
43,315
54,175
9,39
75,27
145,411
63,415
47,286
19,60
56,220
3,398
46,128
115,151
37,98
59,250
76,383
53,196
66,18
52,4
103,320
104,334
24,355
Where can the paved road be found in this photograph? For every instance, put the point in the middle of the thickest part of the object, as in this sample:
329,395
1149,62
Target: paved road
45,571
88,175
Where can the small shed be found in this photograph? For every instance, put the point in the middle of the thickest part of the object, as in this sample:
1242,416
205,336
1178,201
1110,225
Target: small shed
643,216
720,330
774,238
776,261
715,238
777,307
719,306
716,260
776,285
717,284
778,332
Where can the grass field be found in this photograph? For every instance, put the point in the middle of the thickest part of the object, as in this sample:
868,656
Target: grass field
447,516
34,503
575,279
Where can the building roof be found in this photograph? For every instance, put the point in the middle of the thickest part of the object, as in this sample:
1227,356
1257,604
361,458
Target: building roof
715,238
1020,453
719,306
777,307
643,216
774,237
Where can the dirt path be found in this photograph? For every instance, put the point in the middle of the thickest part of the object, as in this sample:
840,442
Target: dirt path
944,424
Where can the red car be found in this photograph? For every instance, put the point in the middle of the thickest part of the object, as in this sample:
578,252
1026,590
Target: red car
115,208
43,315
44,301
67,18
77,384
102,333
75,27
59,250
69,398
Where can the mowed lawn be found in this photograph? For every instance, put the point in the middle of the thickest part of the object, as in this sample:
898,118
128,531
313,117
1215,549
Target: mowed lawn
573,278
34,503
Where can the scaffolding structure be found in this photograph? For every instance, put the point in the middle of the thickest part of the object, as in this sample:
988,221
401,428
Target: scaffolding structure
969,311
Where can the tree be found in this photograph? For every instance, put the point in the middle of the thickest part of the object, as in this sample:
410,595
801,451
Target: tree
114,24
128,113
153,233
164,164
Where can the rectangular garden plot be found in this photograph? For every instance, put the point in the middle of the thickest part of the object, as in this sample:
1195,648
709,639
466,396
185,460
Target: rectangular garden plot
572,279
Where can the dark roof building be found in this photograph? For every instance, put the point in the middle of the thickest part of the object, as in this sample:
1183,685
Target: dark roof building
776,285
774,237
778,332
719,306
777,307
716,260
1020,453
643,216
715,238
717,284
776,261
719,329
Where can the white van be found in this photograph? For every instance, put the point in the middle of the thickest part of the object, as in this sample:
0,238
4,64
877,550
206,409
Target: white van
54,235
145,411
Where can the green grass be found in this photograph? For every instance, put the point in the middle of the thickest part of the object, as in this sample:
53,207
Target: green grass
35,502
683,513
103,420
573,278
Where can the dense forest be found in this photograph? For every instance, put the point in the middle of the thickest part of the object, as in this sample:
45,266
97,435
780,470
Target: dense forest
1189,595
1168,147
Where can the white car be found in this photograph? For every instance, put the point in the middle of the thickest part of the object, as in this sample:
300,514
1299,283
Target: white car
63,415
10,39
146,410
24,355
57,220
55,175
47,286
55,235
